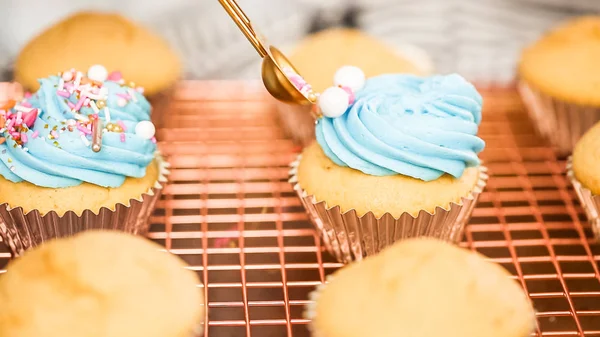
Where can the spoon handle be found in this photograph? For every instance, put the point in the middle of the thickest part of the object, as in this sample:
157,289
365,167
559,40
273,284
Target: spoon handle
243,22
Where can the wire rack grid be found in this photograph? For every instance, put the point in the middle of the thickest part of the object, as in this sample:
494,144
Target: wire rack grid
229,212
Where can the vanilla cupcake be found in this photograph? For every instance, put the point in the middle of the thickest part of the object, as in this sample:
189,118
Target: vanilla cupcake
559,79
401,161
319,56
87,38
78,154
100,284
421,288
581,170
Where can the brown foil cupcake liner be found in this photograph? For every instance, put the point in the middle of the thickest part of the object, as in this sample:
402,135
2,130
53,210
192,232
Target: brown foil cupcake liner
297,121
589,201
561,123
350,237
21,230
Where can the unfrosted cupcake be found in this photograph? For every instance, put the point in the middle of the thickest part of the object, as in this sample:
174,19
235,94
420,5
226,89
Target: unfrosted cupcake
89,38
585,179
100,284
421,288
559,81
320,55
78,154
401,161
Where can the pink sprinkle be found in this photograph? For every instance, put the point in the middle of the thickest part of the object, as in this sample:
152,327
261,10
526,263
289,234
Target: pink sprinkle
153,139
30,117
18,121
350,94
123,137
24,137
10,124
115,76
54,134
26,104
86,102
69,86
27,95
297,81
63,93
122,125
83,129
79,103
15,134
123,95
35,134
71,105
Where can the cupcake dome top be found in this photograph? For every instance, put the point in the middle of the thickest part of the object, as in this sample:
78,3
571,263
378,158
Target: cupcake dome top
89,38
564,63
99,284
77,127
422,127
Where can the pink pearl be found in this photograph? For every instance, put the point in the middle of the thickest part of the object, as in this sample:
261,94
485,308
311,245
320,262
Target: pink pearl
115,76
297,81
350,94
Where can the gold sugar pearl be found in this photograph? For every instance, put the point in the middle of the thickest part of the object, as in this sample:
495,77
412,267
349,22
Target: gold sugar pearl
101,104
110,127
131,84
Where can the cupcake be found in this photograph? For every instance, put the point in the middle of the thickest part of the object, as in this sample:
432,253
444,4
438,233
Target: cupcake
400,161
586,181
100,284
320,55
78,154
559,80
422,288
89,38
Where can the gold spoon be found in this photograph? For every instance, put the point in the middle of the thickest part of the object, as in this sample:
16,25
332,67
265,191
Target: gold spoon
274,62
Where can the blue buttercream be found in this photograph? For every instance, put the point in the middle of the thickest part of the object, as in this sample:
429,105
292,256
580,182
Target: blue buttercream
68,160
409,125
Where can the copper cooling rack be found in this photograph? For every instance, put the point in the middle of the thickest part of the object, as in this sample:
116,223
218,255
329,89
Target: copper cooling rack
230,213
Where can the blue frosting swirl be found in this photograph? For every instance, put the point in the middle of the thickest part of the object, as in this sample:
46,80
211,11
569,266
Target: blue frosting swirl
409,125
68,160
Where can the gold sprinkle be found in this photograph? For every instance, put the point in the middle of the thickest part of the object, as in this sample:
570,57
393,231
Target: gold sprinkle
9,160
55,143
55,127
100,104
131,84
46,126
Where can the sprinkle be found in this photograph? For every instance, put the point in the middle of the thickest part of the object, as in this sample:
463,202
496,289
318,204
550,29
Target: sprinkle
46,126
12,168
26,104
24,137
107,114
63,93
83,129
122,95
86,102
9,160
54,134
61,84
122,125
123,138
55,143
121,102
132,95
81,117
71,105
21,108
94,107
26,149
96,134
84,139
15,134
10,124
35,134
30,117
2,140
153,139
27,95
94,96
77,79
69,87
79,103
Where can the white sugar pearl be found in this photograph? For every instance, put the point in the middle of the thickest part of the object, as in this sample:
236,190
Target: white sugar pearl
67,76
97,73
333,102
121,102
145,129
351,77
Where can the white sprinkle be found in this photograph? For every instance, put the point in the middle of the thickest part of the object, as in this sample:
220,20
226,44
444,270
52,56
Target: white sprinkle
2,130
84,139
61,84
94,107
26,149
12,168
99,97
106,114
132,94
19,114
21,108
77,80
80,117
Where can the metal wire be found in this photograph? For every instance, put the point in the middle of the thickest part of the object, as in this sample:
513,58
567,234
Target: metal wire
231,215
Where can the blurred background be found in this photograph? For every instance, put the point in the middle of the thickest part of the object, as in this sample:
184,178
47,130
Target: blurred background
480,39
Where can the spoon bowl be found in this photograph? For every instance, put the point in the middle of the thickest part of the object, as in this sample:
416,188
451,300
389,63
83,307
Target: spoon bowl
276,81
